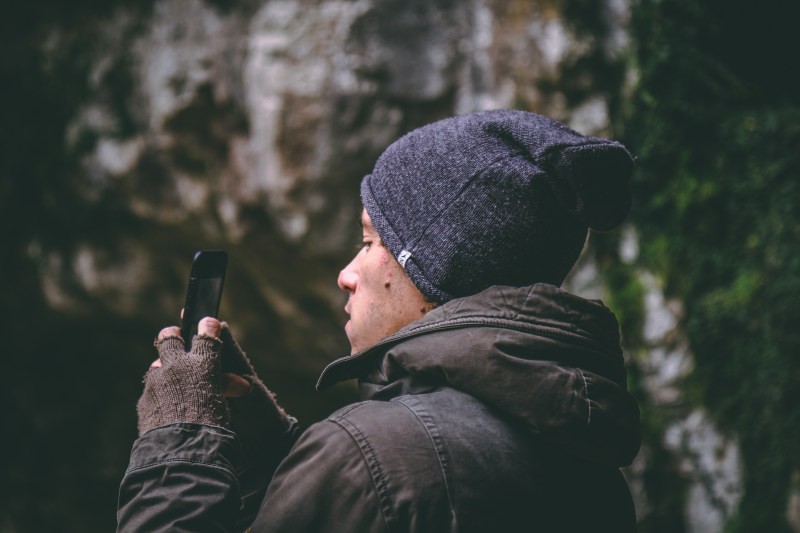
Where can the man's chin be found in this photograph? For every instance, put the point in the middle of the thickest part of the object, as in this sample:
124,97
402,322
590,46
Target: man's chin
349,338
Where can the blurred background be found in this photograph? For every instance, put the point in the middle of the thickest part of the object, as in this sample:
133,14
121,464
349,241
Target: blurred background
136,132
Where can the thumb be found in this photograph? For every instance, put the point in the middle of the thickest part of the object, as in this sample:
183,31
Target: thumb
233,385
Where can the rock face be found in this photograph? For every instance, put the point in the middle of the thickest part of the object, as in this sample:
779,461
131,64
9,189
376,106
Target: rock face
253,125
248,126
283,106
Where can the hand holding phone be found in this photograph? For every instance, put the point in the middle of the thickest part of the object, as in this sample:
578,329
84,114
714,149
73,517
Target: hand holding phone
204,292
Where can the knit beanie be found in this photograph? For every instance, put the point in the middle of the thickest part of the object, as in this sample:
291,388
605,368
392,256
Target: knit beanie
499,197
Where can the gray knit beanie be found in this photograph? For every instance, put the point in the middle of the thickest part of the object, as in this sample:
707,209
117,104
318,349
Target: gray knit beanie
494,198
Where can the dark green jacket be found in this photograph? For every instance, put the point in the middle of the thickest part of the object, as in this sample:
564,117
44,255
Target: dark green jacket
504,411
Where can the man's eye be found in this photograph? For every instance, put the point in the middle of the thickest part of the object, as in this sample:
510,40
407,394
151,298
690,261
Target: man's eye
364,244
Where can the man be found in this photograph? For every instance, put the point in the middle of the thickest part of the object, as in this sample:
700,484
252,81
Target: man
492,399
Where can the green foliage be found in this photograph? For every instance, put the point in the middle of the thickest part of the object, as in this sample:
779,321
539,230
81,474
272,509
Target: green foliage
626,297
623,286
717,194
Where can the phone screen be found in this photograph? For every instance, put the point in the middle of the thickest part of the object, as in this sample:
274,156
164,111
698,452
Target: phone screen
204,292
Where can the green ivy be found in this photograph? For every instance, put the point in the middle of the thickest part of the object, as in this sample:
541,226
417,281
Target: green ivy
715,122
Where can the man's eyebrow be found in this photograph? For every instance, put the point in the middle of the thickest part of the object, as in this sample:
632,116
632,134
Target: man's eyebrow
368,226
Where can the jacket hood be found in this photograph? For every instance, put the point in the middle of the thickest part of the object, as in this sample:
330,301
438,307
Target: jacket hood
539,356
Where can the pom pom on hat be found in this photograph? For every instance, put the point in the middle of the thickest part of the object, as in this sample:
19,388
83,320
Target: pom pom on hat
494,198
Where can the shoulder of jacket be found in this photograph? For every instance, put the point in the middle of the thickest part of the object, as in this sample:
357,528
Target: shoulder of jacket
374,427
405,456
383,419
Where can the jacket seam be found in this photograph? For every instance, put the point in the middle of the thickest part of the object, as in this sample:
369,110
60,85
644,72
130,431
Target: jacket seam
228,472
486,321
373,465
502,294
424,418
344,411
188,461
457,323
586,393
528,297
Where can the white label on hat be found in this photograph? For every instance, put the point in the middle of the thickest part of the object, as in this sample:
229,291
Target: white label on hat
403,257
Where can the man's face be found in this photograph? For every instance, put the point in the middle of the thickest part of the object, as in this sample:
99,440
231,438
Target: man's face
382,299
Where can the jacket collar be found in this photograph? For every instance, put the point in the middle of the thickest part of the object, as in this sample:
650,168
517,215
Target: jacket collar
544,358
540,309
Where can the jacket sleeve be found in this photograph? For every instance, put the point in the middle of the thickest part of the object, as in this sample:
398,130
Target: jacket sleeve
181,477
187,478
324,484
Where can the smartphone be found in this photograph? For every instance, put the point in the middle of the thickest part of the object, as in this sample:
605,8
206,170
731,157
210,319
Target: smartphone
204,292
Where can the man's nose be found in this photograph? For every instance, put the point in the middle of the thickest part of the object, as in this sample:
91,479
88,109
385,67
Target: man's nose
348,277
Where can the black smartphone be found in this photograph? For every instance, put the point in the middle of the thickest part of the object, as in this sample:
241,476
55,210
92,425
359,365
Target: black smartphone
204,292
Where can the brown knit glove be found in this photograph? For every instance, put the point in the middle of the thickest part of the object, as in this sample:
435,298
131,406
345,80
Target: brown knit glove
185,388
256,418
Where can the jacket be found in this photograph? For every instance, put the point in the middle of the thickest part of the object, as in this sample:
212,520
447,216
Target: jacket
503,411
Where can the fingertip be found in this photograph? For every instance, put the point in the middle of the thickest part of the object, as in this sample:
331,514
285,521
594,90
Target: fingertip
171,331
209,327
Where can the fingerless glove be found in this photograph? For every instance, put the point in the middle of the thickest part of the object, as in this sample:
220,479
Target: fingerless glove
255,417
185,388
